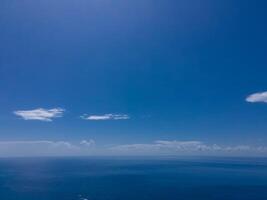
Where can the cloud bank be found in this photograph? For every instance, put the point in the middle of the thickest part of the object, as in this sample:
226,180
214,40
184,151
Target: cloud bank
105,117
40,114
89,143
257,97
175,147
156,148
45,148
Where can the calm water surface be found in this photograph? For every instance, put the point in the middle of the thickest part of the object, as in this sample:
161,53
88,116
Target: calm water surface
133,178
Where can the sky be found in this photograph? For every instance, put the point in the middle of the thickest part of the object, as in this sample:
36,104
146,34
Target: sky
133,77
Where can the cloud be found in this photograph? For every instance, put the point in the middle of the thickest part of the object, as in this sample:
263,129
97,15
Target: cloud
45,148
90,143
40,114
257,97
159,147
185,148
105,117
163,146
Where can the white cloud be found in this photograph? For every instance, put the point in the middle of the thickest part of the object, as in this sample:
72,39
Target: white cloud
163,146
257,97
186,148
88,143
45,148
105,117
40,114
159,147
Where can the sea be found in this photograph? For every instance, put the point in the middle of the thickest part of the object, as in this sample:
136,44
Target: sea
133,178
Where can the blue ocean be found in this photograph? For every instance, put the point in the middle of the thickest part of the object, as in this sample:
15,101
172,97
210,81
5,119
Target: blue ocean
132,178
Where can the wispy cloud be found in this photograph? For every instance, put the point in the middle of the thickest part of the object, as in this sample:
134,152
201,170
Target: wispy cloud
87,143
40,114
186,148
257,97
45,148
105,117
159,147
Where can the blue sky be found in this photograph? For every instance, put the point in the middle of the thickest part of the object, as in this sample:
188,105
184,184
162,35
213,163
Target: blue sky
151,70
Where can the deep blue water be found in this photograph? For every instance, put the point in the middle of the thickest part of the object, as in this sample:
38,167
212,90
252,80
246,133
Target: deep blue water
133,178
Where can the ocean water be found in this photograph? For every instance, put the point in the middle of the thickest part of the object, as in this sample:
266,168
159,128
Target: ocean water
133,178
